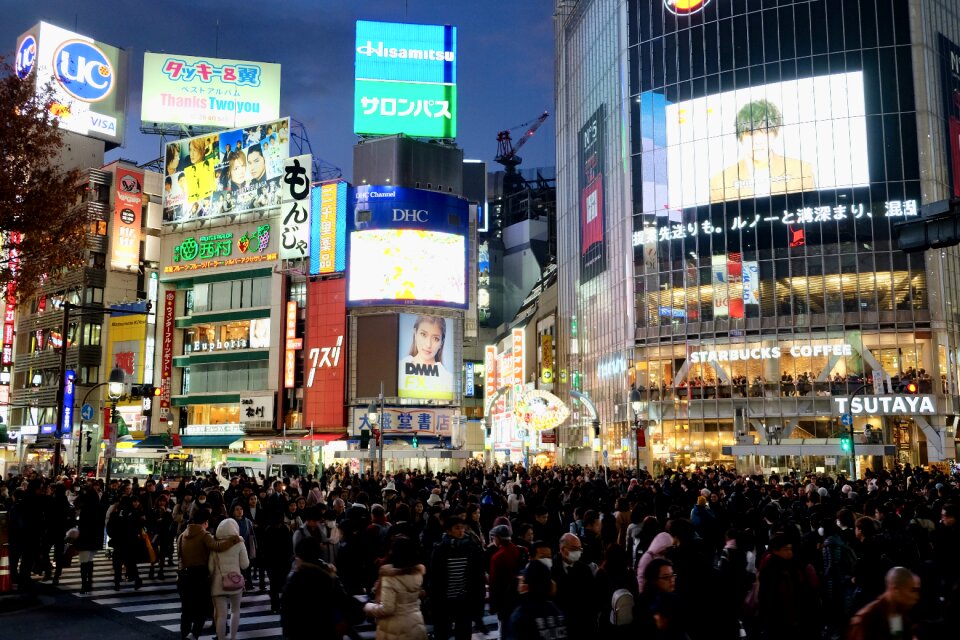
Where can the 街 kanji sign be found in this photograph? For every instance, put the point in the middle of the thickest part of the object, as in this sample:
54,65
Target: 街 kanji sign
295,208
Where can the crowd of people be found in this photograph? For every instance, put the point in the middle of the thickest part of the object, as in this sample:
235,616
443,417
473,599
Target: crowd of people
552,552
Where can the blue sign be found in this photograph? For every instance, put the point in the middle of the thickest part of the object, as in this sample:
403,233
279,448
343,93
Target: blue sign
68,391
389,207
846,420
86,412
396,51
83,70
26,56
328,228
48,429
468,380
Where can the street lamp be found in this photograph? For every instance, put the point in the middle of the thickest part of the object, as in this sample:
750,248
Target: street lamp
635,404
114,391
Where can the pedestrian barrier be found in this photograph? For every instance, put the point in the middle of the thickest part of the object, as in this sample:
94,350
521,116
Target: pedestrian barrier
5,582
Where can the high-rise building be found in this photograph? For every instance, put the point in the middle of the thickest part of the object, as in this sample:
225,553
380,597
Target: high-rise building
731,174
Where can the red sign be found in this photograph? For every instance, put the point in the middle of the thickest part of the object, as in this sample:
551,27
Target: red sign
166,354
126,361
548,436
290,357
325,357
127,220
10,312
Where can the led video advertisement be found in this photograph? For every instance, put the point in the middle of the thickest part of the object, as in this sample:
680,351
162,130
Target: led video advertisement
227,172
783,137
407,246
426,357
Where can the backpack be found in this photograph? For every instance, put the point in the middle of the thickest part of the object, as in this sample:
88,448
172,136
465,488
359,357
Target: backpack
621,608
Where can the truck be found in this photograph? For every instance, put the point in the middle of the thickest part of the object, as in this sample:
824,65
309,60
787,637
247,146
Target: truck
253,465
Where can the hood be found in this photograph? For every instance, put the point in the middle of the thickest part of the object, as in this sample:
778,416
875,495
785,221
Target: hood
228,528
660,544
390,570
194,531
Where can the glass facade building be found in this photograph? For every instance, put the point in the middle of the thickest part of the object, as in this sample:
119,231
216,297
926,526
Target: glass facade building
771,147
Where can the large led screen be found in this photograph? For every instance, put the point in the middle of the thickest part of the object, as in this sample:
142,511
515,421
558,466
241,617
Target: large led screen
223,173
426,357
407,265
783,137
406,246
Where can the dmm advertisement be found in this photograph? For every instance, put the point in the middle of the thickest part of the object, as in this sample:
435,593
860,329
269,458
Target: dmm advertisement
227,172
407,246
426,357
210,92
593,253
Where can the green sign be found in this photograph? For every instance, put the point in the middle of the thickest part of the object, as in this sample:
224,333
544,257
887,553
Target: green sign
221,245
415,109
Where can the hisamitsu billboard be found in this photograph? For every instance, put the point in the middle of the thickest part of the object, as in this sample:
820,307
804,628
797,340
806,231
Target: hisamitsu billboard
211,92
405,79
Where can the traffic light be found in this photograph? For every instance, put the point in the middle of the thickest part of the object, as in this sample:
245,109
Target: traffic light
364,438
149,391
415,442
845,443
909,386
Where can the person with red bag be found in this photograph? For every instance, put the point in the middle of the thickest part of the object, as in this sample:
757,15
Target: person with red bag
227,582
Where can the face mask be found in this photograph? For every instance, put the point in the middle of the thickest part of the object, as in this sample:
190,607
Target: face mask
820,531
202,501
573,556
548,562
331,524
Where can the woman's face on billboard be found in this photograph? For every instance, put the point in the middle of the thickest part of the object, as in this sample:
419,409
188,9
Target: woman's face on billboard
429,341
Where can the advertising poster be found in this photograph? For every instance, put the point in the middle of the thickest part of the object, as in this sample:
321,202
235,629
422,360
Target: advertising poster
783,137
232,246
328,228
405,79
227,172
721,297
12,256
426,357
735,284
88,79
127,341
166,353
127,220
751,282
593,254
407,246
295,235
950,64
209,92
325,355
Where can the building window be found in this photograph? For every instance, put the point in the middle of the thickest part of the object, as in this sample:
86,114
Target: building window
91,335
234,294
89,374
94,295
97,260
229,336
98,227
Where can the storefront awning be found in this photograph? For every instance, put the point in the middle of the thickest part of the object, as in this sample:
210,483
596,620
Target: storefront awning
208,442
325,437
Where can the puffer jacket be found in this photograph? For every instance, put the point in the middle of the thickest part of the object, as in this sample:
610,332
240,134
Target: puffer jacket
398,608
223,562
658,549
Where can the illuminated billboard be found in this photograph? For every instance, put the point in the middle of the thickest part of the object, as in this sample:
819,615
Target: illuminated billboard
592,148
88,79
777,138
127,220
210,92
426,355
328,228
407,246
405,79
950,72
225,173
325,354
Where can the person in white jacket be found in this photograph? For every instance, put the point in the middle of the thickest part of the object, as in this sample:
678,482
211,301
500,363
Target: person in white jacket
222,563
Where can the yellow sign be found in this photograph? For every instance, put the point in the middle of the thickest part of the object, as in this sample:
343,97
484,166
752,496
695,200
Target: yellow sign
546,358
127,346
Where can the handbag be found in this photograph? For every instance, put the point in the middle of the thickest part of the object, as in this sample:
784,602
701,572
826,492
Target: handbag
230,581
151,553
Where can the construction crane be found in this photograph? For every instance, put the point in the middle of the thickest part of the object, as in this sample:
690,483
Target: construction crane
507,152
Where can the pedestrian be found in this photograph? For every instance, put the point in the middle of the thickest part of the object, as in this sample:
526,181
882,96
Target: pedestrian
576,594
658,548
456,582
659,611
888,617
90,540
535,616
126,531
505,566
195,545
397,594
226,579
245,528
275,556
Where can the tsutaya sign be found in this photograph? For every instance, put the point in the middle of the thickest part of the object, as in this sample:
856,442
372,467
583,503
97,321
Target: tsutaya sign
886,405
771,353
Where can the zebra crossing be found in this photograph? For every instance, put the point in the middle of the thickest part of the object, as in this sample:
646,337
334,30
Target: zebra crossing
156,602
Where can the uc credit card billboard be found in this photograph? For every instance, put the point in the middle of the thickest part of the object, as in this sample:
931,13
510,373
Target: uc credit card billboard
88,79
211,92
405,79
406,246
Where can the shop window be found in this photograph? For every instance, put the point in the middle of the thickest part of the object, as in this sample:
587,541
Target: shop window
229,336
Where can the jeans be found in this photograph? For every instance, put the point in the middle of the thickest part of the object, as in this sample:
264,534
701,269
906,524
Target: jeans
193,585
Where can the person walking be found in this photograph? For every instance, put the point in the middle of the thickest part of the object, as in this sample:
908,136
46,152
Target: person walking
90,540
125,529
195,546
888,617
456,581
224,566
397,606
276,555
536,617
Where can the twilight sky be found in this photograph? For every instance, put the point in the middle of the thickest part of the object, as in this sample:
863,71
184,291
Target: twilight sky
505,71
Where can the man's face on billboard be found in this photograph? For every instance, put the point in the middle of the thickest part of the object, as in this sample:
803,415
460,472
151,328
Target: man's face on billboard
756,146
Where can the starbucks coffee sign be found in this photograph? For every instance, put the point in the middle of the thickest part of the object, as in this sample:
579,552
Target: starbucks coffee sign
886,405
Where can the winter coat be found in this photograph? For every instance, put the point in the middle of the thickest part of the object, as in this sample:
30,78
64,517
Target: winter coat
221,563
398,608
196,544
657,549
90,523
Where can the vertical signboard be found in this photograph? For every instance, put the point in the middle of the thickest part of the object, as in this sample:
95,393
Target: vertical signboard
489,374
66,422
325,361
290,353
405,79
591,146
127,218
328,222
10,311
518,357
950,65
751,282
546,358
721,297
295,235
166,354
469,379
426,356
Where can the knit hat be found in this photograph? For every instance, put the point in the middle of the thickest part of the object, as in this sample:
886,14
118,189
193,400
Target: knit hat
503,532
433,499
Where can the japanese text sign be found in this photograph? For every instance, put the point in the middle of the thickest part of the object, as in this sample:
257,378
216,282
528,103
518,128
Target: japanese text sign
295,208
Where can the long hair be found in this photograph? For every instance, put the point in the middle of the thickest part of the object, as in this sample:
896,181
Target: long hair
437,320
